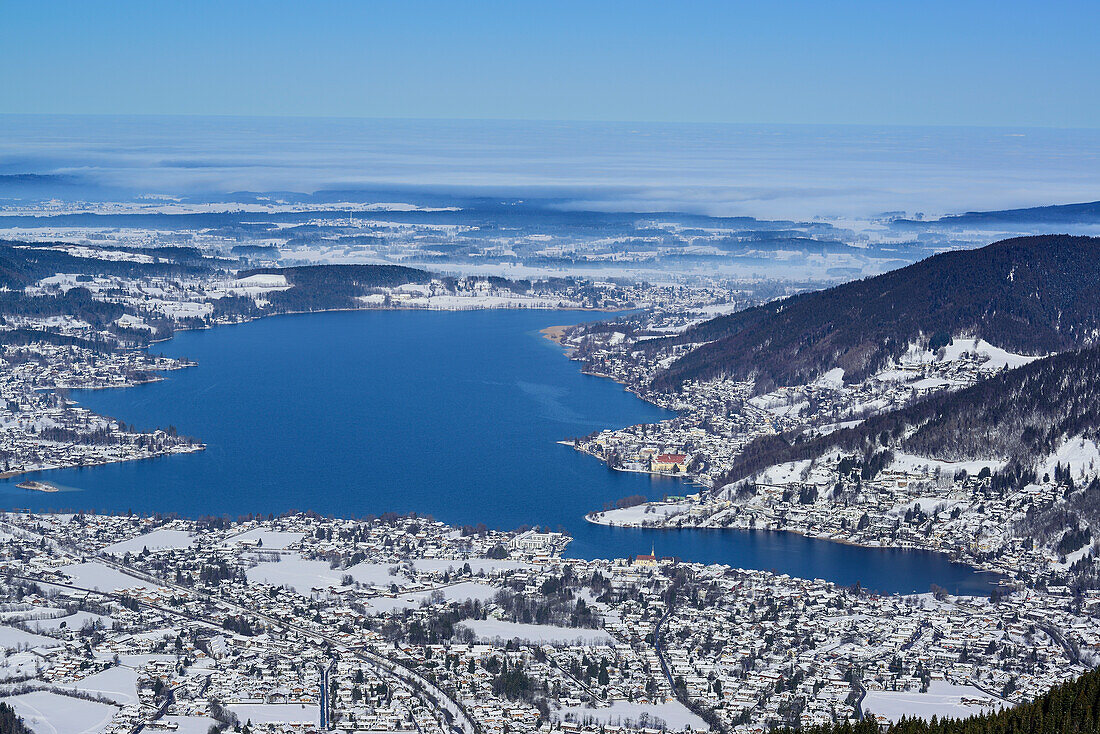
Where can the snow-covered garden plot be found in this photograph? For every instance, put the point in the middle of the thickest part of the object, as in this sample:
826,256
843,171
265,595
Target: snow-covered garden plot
15,639
19,665
30,612
912,463
94,575
943,699
495,629
477,565
304,575
928,504
156,540
276,713
190,724
456,592
266,539
138,661
52,713
75,621
673,713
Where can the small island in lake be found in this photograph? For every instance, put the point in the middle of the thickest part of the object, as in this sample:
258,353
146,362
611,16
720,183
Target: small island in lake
38,486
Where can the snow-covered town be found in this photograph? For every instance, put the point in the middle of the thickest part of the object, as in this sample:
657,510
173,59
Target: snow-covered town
399,623
300,623
910,501
581,368
41,428
717,419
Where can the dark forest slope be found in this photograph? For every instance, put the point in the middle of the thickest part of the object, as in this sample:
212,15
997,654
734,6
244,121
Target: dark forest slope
10,723
23,263
1032,295
322,287
1071,708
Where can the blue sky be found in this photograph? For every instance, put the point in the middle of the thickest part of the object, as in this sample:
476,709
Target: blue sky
923,63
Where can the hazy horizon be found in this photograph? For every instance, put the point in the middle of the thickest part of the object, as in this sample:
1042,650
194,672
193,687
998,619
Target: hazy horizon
766,171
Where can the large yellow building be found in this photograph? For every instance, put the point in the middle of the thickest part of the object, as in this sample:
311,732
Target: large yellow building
670,462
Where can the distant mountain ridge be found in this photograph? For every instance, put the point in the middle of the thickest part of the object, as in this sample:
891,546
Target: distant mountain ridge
1085,212
1032,295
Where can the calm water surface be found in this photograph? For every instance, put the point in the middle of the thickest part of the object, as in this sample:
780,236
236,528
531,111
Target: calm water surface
456,415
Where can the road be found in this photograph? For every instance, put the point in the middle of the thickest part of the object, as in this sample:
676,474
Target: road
324,669
660,652
1055,635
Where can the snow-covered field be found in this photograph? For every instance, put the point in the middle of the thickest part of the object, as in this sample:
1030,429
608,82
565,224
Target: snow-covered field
51,713
263,713
1081,455
477,565
639,513
31,613
304,575
97,253
673,713
495,629
19,665
911,462
155,540
942,699
119,684
259,284
791,471
927,505
12,639
93,575
995,357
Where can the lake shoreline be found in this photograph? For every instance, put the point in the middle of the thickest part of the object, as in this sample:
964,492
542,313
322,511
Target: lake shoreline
491,351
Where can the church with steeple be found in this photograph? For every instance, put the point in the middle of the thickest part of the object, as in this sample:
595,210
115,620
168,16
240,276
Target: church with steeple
649,561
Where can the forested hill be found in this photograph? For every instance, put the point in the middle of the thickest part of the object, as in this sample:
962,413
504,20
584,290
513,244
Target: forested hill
323,287
1020,415
1032,295
23,263
369,276
1071,708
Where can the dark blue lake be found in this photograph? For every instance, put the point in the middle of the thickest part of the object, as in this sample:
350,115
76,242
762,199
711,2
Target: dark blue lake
455,415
